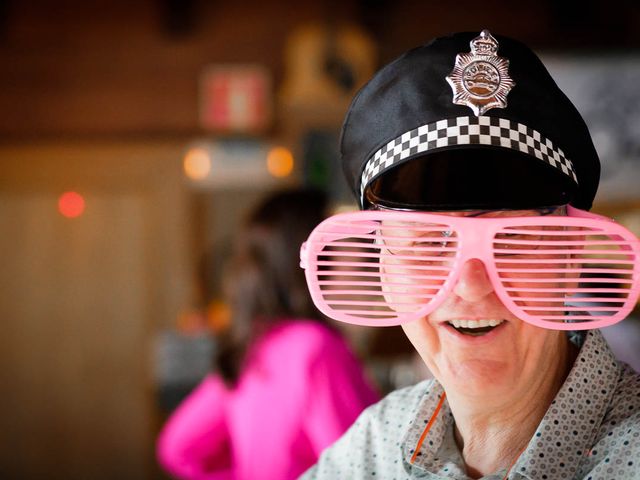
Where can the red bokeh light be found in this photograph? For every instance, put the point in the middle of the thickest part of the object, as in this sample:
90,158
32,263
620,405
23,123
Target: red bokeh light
71,204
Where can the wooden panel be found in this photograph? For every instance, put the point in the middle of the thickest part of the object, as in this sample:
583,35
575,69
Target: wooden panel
80,305
96,68
80,69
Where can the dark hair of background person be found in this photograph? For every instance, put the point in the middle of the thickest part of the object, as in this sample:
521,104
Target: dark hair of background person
264,284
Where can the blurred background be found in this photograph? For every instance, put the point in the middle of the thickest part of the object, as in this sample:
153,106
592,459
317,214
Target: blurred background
134,137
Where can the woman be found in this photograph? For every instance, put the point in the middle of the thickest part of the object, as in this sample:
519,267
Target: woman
285,384
477,172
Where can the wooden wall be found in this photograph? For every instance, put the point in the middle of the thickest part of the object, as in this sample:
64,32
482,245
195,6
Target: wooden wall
81,302
71,68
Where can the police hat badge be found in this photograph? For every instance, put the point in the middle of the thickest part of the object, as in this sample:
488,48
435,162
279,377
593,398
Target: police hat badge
480,79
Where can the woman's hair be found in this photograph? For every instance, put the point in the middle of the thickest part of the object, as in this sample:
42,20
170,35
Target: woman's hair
264,283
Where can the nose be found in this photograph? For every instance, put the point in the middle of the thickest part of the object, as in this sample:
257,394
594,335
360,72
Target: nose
473,284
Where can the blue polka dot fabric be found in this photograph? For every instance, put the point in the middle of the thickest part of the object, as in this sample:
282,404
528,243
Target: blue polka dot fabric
591,431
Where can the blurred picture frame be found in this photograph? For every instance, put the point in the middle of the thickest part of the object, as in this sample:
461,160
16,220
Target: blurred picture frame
235,99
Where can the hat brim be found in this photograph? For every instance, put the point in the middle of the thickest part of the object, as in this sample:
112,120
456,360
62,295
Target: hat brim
470,177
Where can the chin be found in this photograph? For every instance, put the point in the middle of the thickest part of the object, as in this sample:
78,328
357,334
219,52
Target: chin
478,377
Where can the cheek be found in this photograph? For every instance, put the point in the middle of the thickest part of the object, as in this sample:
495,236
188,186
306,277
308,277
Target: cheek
537,346
408,285
536,292
424,339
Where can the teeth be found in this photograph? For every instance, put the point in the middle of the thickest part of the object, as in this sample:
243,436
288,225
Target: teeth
475,323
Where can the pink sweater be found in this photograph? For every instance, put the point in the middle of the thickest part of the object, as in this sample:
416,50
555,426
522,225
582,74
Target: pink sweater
300,390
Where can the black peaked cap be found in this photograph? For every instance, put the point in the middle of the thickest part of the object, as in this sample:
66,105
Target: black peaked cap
412,92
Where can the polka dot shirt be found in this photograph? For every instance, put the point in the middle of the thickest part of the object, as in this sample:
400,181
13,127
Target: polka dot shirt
591,431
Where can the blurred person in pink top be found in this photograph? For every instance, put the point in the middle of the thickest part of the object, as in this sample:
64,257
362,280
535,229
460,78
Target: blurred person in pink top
286,385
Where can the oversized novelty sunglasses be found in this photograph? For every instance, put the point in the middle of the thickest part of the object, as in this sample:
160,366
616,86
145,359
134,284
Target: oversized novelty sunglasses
381,268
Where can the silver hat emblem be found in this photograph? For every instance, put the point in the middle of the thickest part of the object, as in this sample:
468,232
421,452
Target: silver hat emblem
480,79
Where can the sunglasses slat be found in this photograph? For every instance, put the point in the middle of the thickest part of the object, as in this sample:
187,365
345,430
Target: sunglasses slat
364,303
583,319
380,254
370,313
569,309
540,229
361,293
567,289
617,271
594,300
378,284
571,280
541,250
544,261
400,277
356,273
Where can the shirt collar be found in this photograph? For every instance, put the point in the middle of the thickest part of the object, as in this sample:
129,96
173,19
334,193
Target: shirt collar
426,457
576,413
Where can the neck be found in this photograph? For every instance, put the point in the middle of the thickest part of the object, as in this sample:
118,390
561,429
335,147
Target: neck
492,432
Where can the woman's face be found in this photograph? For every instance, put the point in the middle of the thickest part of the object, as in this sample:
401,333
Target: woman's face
504,356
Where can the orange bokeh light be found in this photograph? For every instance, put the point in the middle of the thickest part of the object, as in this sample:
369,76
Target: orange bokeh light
280,162
71,204
197,163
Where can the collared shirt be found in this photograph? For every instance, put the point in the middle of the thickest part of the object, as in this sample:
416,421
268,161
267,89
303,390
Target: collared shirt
591,431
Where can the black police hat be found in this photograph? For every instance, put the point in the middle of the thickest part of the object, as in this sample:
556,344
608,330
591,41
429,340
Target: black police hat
467,121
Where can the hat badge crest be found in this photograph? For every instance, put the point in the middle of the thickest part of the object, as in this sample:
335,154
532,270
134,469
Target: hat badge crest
480,79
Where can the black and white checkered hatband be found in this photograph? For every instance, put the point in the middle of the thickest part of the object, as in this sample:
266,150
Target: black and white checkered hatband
482,130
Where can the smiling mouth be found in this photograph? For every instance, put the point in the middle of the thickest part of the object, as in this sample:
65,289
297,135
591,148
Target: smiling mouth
474,328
